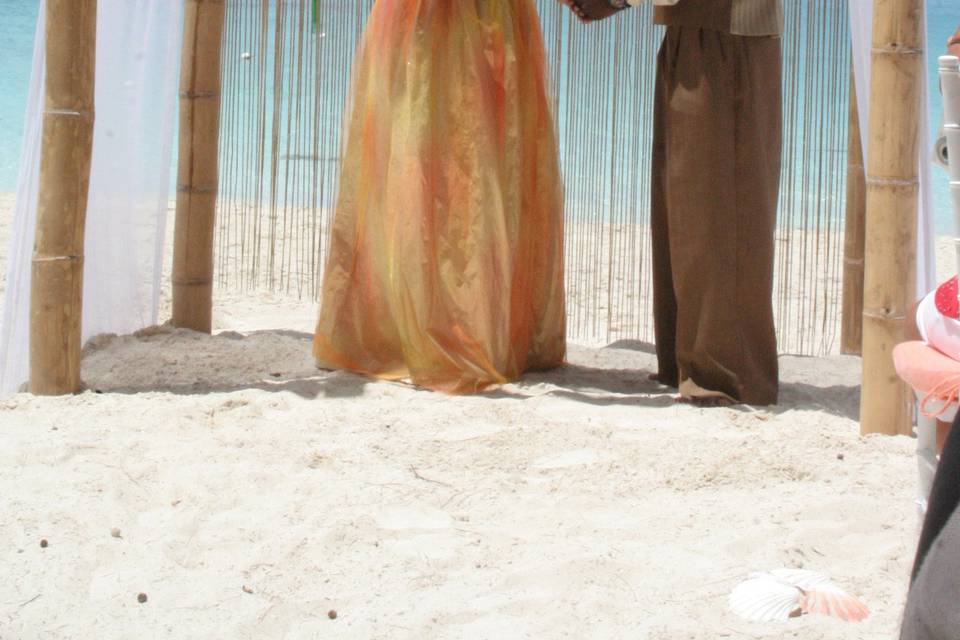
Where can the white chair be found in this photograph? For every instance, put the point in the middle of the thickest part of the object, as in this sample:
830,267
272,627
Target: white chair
950,86
934,377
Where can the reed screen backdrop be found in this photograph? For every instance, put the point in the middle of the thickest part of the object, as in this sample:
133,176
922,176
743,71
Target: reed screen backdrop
286,80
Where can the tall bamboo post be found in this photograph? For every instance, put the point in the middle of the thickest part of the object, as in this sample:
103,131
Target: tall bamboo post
892,204
851,329
56,287
197,173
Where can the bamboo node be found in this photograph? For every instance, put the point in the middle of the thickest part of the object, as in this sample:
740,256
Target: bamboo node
37,259
191,95
186,188
853,261
68,112
884,314
895,182
897,49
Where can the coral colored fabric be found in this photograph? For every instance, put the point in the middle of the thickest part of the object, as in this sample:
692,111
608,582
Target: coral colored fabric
446,255
923,367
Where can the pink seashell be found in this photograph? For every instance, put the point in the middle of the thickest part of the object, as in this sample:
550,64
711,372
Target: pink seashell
830,600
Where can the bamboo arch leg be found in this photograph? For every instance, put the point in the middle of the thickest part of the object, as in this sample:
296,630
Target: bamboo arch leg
892,204
851,329
197,174
56,290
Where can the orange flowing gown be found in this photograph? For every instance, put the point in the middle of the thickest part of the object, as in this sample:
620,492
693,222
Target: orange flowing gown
446,251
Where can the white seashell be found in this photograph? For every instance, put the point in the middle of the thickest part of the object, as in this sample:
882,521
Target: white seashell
786,593
763,598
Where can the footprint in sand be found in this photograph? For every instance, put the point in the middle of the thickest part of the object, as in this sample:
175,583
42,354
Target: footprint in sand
562,411
571,413
403,517
568,459
468,431
612,520
433,546
498,625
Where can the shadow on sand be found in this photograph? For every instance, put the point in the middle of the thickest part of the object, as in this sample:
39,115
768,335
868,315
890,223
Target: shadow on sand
166,360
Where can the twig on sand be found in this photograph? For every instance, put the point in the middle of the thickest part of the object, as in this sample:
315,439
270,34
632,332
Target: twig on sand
33,599
129,477
264,615
459,496
628,586
123,470
417,475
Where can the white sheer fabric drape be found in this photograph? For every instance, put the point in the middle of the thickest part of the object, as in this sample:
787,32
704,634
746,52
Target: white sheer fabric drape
14,326
861,27
138,62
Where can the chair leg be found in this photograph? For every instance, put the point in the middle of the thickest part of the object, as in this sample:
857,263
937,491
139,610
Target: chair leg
926,458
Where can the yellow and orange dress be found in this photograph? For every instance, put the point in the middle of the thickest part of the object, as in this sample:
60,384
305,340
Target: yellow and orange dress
446,251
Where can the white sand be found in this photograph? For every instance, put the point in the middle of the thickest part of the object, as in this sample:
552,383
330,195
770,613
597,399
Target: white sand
253,494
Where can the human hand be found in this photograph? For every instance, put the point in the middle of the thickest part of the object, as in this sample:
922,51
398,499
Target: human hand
594,10
573,6
953,44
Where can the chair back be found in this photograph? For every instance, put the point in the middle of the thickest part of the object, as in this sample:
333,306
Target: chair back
950,86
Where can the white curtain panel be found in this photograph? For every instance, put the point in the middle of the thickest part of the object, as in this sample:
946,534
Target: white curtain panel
14,326
138,64
861,27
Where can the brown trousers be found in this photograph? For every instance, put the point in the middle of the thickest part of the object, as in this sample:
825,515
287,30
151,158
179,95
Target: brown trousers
716,180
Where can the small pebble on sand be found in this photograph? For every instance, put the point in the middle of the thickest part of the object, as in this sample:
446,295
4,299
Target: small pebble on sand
141,598
332,614
44,544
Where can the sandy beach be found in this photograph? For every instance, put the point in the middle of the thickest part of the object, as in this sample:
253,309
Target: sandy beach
247,495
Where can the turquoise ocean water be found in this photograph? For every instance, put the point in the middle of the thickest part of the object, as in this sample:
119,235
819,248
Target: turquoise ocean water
18,23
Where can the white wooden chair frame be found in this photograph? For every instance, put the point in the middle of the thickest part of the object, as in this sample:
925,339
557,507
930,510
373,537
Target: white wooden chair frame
927,458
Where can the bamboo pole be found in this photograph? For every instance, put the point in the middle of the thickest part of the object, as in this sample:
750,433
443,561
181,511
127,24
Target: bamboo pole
892,204
56,287
851,327
197,173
